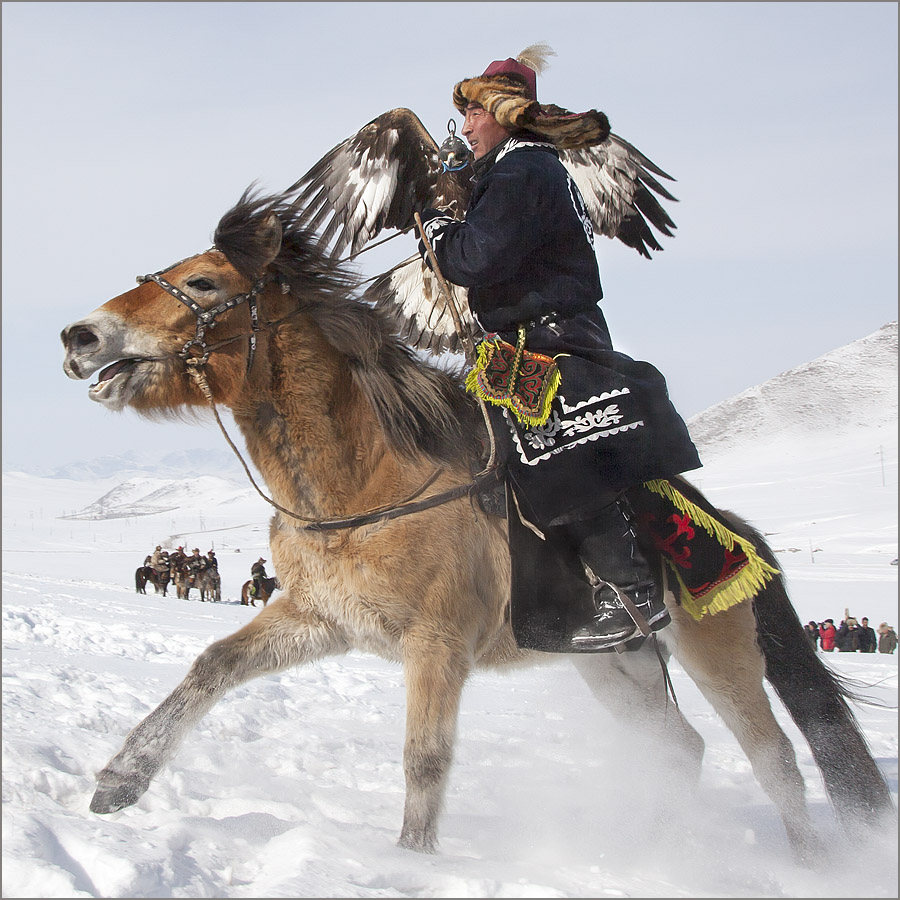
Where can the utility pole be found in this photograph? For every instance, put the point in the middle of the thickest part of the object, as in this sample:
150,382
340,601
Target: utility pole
881,454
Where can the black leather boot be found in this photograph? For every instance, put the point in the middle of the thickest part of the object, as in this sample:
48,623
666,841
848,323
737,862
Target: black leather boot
627,597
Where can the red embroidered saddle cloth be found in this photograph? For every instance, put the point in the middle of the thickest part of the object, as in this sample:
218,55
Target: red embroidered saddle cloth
516,378
714,567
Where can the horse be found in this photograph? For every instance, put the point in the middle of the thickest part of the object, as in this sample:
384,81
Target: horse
141,576
183,579
368,452
267,588
159,580
208,582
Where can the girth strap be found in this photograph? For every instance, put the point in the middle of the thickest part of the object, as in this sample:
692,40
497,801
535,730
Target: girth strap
478,483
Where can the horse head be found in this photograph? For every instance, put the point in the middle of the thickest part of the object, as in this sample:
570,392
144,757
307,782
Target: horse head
208,310
269,324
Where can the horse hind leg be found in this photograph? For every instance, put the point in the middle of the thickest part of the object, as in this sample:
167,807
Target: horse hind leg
721,655
632,687
817,701
276,639
435,676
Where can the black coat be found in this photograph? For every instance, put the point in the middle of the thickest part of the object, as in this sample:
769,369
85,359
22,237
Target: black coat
868,640
526,247
525,251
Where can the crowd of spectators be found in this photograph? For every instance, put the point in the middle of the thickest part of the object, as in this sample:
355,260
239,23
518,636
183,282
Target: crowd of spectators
851,635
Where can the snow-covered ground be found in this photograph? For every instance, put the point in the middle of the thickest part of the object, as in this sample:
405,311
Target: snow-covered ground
293,787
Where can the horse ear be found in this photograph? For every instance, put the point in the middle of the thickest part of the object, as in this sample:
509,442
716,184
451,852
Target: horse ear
269,236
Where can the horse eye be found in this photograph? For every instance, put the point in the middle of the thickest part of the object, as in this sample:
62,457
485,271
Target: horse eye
201,284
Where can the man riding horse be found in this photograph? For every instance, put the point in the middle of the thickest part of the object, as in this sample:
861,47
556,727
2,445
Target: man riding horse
177,557
195,563
525,252
159,561
258,576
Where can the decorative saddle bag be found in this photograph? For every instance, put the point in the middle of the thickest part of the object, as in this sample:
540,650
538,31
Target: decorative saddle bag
522,381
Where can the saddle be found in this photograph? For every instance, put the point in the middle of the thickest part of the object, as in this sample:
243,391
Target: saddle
708,567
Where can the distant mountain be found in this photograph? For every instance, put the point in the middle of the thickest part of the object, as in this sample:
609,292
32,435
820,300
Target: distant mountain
148,496
170,464
847,390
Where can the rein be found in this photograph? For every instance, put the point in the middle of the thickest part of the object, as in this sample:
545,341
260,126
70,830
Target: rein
195,363
482,480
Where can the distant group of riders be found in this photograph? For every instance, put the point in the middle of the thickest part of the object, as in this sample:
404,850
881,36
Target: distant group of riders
184,571
162,568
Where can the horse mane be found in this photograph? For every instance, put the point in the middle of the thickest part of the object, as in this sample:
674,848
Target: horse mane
421,409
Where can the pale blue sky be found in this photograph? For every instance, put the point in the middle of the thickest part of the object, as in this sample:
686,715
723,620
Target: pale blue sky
129,128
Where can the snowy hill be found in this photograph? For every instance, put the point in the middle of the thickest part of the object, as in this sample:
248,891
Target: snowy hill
845,391
147,496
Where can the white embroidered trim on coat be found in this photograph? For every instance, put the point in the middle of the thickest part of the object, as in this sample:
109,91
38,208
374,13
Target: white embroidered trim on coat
559,434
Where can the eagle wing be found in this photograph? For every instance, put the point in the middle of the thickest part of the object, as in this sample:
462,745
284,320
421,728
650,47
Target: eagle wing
411,296
618,185
376,179
379,177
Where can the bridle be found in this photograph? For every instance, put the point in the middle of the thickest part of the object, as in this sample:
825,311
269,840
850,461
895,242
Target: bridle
197,349
195,355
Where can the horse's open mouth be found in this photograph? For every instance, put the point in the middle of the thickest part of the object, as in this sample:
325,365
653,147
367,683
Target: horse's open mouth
112,379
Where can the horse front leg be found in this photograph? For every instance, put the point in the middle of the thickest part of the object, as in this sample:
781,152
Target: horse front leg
278,638
435,675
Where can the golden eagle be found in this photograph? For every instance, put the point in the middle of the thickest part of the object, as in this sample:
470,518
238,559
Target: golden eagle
392,167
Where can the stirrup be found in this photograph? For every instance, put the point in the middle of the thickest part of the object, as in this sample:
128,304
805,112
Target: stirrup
586,639
618,619
653,620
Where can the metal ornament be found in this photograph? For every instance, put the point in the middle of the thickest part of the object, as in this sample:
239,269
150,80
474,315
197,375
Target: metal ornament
453,153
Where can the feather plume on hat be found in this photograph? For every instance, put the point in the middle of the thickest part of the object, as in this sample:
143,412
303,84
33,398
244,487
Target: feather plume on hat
508,90
535,57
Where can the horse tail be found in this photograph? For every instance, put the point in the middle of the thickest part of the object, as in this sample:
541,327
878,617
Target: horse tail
817,700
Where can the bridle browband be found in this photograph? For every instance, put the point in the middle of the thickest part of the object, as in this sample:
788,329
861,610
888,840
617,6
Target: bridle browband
195,362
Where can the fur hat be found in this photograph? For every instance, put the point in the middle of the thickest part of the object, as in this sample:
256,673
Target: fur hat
508,90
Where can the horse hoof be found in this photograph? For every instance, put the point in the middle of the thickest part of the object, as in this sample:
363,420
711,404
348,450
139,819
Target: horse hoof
113,797
418,844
